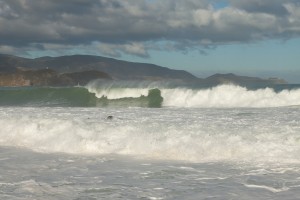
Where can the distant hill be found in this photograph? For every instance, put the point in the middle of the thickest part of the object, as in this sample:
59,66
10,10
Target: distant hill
230,78
80,69
9,63
117,69
49,77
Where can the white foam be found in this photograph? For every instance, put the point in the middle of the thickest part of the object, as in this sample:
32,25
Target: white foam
191,135
230,96
265,187
119,89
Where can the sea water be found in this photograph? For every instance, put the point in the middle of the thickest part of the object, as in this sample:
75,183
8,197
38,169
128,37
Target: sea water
231,143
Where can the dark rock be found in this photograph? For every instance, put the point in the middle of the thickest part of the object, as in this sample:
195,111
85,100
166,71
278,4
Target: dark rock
109,117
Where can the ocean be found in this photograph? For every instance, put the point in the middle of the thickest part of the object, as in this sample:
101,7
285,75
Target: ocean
162,141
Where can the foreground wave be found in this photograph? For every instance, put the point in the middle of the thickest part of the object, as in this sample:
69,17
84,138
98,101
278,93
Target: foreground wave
197,135
114,95
73,97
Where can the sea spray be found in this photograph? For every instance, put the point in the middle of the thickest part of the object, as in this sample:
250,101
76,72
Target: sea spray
152,100
122,89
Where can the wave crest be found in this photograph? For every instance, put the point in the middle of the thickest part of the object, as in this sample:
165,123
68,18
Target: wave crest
222,96
230,96
136,95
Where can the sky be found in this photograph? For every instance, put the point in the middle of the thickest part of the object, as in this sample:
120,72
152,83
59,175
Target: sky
246,37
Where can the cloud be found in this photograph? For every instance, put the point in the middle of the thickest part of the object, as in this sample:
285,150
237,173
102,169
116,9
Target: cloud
137,26
7,49
275,7
116,50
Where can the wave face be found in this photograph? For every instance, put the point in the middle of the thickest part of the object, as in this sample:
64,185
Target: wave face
134,94
76,97
197,135
62,97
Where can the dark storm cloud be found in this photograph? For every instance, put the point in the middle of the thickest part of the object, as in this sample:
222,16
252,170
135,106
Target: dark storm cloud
134,26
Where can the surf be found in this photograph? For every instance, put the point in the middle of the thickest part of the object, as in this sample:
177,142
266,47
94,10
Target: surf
75,97
230,96
151,94
194,135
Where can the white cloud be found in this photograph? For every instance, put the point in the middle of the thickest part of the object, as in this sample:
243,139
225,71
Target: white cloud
116,50
202,17
7,49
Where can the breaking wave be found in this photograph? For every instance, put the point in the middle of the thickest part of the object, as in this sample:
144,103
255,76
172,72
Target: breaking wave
137,95
230,96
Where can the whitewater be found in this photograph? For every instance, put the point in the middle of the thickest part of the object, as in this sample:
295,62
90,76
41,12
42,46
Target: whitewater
222,142
218,96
